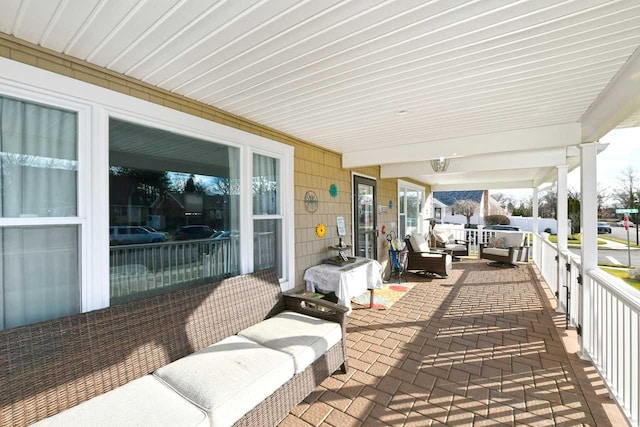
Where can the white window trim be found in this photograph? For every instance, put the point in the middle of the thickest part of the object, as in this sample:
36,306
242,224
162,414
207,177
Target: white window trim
97,104
421,215
83,218
282,203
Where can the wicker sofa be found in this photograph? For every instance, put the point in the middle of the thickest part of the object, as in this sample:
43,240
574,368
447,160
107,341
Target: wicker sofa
198,356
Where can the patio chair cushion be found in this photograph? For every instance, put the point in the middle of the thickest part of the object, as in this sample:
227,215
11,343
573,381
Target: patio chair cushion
229,378
303,337
455,247
142,402
511,238
497,242
418,243
444,236
496,251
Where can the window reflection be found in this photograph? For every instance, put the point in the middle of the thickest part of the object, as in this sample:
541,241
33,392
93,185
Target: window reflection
174,210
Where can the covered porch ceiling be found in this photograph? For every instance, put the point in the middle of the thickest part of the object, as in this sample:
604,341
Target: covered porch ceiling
504,88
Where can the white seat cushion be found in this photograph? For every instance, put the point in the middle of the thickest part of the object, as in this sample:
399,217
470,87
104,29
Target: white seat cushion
303,337
455,247
444,236
229,378
418,243
496,251
142,402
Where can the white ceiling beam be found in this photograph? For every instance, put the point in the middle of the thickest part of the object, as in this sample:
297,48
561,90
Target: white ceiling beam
519,140
617,101
483,185
494,162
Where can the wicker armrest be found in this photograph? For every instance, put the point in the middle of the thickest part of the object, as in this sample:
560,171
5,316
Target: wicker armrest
462,242
416,254
316,307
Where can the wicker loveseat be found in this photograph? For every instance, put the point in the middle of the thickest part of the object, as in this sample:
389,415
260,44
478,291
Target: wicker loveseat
174,359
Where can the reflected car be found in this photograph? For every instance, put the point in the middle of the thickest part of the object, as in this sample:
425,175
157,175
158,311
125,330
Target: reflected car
220,235
192,232
604,228
502,227
133,235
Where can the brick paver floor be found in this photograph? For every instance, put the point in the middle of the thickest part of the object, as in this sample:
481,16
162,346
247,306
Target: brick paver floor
483,347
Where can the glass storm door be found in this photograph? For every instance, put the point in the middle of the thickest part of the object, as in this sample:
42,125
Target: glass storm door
364,193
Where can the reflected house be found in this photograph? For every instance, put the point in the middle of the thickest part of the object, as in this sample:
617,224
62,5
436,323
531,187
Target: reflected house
127,207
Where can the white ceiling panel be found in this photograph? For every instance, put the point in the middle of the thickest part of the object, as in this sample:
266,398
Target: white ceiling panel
131,29
33,19
336,72
8,17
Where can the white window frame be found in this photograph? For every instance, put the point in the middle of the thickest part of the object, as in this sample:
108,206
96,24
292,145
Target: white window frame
95,106
82,219
281,216
421,214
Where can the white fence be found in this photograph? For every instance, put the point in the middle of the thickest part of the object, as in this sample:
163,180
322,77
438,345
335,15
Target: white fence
525,223
606,313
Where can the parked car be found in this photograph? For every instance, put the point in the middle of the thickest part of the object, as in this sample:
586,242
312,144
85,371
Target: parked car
604,228
191,232
502,227
621,223
131,235
153,230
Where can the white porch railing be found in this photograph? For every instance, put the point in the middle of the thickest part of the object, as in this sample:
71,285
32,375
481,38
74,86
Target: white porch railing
614,316
609,327
477,236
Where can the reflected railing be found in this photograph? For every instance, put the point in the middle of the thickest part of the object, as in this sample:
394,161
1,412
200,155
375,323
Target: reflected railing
142,268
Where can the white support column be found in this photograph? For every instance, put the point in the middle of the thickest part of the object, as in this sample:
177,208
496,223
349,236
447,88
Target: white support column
534,210
563,220
589,232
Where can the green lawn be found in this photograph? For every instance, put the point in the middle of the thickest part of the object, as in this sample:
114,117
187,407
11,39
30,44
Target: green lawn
623,274
572,240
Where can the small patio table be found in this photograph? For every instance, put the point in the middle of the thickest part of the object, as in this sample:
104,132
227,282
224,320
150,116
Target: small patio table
347,281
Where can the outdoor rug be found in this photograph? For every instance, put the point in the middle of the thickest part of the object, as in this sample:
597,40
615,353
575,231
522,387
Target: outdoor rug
384,298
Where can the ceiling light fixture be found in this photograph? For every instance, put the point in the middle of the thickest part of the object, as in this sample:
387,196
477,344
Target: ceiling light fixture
440,165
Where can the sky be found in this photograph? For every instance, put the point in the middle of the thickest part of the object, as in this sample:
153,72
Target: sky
623,150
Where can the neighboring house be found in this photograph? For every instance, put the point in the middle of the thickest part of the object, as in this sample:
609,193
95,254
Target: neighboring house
443,202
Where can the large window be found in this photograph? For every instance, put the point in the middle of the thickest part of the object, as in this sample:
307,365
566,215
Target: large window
173,210
410,207
39,224
105,197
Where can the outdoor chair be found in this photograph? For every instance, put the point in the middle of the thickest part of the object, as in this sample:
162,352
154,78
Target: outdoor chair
423,261
503,248
446,241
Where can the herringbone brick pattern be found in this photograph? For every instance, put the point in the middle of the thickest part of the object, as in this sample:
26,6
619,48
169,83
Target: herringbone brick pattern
479,348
